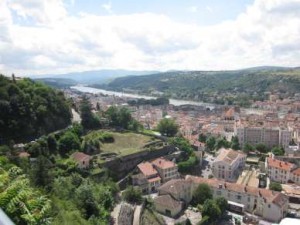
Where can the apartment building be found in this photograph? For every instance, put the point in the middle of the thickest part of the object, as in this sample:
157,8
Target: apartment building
282,172
228,165
269,136
268,204
150,175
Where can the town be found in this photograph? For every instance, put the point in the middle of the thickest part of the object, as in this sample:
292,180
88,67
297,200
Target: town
250,157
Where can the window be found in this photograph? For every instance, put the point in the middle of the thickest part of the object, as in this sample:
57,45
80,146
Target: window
269,205
238,197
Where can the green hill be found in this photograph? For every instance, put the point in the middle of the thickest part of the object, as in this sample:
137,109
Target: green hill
215,86
29,109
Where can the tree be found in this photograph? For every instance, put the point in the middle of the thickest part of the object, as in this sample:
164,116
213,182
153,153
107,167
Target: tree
278,151
201,194
274,186
40,174
235,143
222,142
262,148
248,148
124,117
132,195
182,144
86,201
69,141
211,209
52,144
167,127
202,137
222,204
88,119
210,143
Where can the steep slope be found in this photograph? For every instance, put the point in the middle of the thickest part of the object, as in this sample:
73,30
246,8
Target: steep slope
29,109
203,85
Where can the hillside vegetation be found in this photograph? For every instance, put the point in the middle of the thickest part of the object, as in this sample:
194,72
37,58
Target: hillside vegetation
215,86
29,109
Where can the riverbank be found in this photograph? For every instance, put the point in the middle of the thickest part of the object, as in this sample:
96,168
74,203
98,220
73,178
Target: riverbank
175,102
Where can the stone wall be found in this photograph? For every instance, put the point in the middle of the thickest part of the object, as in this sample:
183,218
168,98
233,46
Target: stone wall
120,166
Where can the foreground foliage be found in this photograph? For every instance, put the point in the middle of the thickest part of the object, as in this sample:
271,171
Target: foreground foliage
23,203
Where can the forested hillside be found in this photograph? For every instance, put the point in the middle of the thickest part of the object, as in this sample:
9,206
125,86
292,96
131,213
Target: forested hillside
215,86
30,109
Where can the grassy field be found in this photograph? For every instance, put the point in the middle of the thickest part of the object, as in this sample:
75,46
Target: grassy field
125,143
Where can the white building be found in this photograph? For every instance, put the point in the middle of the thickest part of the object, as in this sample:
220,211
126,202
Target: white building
282,172
269,136
228,165
270,205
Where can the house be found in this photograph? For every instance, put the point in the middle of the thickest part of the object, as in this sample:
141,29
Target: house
268,204
166,204
167,169
179,189
151,174
228,164
82,160
147,179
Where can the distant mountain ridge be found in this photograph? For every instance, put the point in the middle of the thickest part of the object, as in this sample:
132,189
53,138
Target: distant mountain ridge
215,86
95,76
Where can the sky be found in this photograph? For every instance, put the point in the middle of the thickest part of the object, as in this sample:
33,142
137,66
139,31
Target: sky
62,36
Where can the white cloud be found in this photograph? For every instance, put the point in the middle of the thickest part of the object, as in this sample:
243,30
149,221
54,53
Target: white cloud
267,33
107,7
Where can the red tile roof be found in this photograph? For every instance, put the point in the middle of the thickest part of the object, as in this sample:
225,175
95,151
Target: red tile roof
163,163
296,172
147,169
80,156
280,164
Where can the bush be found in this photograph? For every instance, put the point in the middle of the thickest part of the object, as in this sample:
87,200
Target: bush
132,195
274,186
201,194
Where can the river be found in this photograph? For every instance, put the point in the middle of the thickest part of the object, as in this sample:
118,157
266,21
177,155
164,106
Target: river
175,102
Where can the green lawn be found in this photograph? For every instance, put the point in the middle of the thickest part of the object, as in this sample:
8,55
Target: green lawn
125,143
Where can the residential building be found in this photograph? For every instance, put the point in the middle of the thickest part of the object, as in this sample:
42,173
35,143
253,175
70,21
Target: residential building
269,136
151,174
282,172
228,165
269,205
82,160
147,179
167,169
166,204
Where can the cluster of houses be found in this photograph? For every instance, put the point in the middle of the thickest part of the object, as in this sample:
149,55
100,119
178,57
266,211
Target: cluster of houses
175,195
175,192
